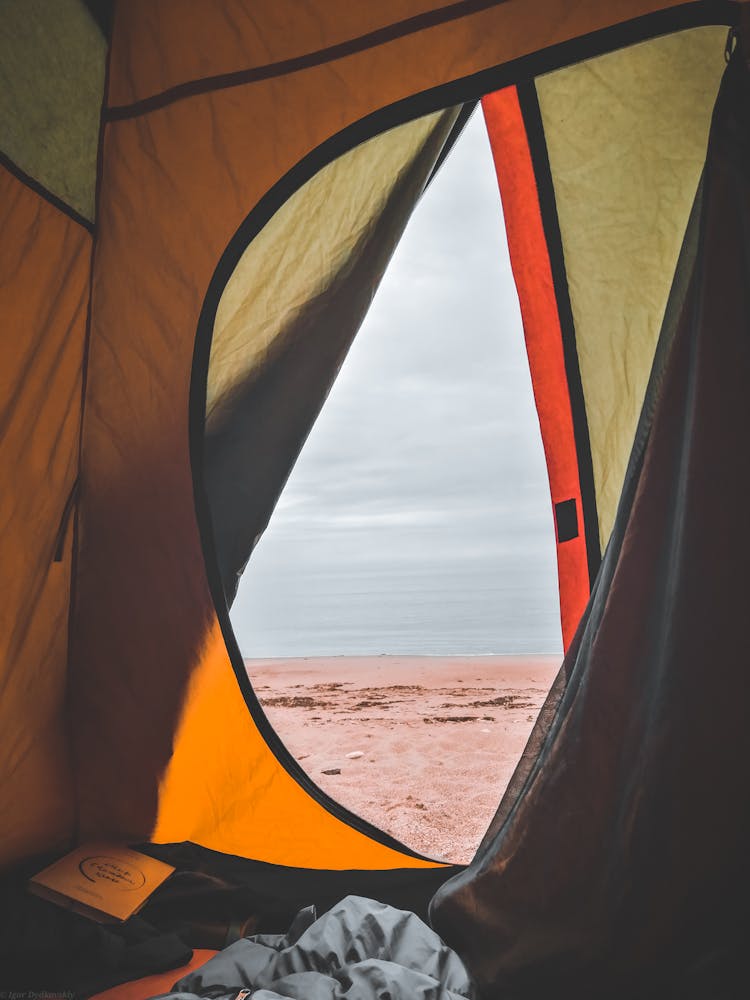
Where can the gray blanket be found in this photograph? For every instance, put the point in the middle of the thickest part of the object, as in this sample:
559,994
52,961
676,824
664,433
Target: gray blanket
359,950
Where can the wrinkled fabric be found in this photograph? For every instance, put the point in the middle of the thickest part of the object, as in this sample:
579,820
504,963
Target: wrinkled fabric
621,868
359,950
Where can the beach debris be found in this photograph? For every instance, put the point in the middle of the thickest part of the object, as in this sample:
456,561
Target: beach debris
485,730
450,718
303,756
354,755
331,770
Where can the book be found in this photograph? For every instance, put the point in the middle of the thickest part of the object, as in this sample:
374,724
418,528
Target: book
103,881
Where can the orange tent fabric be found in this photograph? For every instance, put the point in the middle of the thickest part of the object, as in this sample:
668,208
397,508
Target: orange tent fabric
150,727
174,192
151,986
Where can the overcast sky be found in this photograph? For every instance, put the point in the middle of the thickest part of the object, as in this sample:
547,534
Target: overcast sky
418,518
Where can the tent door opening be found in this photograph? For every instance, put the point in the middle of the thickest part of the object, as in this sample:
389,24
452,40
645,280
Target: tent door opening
417,524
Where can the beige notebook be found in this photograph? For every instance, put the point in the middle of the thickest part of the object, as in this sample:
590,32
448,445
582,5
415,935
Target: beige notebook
106,882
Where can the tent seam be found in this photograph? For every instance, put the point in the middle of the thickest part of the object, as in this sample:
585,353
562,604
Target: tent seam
362,43
691,14
73,588
52,199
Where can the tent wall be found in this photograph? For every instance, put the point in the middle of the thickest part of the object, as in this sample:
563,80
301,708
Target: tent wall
201,144
157,696
44,271
51,74
161,49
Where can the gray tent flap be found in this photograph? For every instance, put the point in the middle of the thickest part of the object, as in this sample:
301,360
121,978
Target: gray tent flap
621,866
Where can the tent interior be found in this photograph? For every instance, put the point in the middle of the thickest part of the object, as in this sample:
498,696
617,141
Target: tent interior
199,201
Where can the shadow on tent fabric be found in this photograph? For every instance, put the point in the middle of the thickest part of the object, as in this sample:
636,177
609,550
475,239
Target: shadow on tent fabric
618,861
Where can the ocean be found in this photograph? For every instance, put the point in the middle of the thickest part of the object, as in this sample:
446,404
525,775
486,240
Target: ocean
422,611
417,518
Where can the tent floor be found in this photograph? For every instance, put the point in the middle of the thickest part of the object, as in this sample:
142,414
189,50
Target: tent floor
210,900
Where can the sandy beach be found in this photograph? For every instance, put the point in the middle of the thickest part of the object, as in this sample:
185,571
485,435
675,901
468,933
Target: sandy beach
422,747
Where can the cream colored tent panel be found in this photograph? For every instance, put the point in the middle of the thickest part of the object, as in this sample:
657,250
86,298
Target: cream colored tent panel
626,136
317,234
52,59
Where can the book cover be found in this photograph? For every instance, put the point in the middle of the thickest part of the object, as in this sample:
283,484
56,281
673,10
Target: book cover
106,882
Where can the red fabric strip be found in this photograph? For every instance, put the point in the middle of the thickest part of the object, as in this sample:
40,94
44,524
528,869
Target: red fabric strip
533,276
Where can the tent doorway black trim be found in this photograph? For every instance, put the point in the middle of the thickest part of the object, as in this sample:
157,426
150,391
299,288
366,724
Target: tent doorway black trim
468,89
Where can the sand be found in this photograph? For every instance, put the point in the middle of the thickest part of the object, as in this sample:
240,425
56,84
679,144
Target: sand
433,740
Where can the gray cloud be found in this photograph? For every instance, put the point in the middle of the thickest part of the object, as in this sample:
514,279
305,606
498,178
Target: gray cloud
425,470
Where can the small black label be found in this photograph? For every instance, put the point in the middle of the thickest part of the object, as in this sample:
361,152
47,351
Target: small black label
566,517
